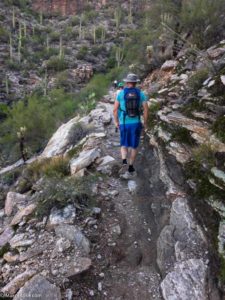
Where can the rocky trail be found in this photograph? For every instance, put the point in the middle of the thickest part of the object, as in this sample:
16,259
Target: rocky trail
140,241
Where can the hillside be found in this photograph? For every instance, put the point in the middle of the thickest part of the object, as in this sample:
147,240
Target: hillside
71,226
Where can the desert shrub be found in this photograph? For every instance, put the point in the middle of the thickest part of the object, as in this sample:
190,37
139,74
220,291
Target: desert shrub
76,133
194,105
56,63
204,19
204,154
218,128
182,135
54,36
152,118
49,167
40,115
4,35
75,20
82,52
196,80
60,192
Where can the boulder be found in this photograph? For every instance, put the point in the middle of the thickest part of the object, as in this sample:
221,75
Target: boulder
9,257
13,286
66,215
61,245
99,115
15,200
183,239
61,139
6,236
23,213
39,286
84,160
222,78
216,52
74,234
169,65
187,281
75,266
20,240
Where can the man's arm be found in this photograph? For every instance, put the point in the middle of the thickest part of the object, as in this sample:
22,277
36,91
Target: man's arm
145,114
115,113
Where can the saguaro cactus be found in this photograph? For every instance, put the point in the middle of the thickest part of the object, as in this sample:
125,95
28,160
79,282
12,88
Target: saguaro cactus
130,16
6,84
117,16
10,48
119,56
47,43
25,29
19,42
61,52
94,34
80,27
13,18
41,17
103,35
21,137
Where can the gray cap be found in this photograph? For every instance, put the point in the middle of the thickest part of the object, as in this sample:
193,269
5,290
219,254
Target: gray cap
131,78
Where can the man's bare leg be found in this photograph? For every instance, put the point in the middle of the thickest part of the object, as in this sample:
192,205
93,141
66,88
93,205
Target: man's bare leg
124,152
133,156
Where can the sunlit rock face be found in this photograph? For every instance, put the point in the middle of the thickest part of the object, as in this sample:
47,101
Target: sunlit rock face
64,7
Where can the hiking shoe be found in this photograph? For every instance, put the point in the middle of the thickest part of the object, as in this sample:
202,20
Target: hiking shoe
128,175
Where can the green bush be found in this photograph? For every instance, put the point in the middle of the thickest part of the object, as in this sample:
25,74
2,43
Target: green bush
50,167
82,52
54,36
152,118
218,128
41,116
56,63
182,135
59,192
196,80
4,35
204,19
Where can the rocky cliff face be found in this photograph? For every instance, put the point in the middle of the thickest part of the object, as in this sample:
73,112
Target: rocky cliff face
64,7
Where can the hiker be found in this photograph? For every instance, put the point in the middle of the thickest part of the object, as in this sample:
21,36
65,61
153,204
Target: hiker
127,117
120,88
115,83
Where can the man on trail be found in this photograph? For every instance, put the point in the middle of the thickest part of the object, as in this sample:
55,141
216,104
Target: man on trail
127,116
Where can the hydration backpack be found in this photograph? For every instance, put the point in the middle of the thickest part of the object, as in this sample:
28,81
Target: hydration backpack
132,102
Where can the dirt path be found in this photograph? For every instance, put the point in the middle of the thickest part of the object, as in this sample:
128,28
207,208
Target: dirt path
132,223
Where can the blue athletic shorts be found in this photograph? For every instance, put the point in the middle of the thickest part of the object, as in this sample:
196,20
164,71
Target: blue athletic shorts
130,135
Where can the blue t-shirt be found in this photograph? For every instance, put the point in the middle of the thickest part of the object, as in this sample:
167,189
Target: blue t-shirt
121,100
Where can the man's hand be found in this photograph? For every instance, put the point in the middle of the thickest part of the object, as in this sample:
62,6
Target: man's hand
117,125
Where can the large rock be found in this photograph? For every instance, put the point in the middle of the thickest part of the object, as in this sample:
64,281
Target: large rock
183,239
13,286
66,215
39,286
20,240
169,65
15,200
61,139
216,52
6,236
75,266
101,116
85,159
23,213
187,281
74,234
